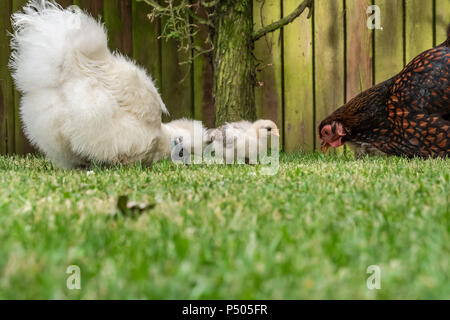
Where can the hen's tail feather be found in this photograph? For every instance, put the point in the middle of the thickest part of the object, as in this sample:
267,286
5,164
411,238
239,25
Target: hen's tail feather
45,35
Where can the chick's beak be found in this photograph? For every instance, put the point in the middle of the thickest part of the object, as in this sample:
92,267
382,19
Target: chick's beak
275,132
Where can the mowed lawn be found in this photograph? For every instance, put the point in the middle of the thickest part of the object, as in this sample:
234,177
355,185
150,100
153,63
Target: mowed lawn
310,231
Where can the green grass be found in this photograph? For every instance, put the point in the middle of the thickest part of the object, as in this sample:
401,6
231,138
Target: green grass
309,231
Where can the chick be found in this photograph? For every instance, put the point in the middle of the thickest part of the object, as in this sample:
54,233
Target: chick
243,139
185,137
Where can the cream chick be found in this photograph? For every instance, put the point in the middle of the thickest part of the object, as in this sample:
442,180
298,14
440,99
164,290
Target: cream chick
80,102
190,133
243,138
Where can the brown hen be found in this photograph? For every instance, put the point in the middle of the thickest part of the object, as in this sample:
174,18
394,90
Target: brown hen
407,115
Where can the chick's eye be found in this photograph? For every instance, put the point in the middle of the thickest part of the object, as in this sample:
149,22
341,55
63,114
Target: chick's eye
269,129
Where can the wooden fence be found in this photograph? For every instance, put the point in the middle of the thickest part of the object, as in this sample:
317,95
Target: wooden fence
307,69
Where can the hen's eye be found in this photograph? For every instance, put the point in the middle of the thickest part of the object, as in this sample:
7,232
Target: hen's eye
269,129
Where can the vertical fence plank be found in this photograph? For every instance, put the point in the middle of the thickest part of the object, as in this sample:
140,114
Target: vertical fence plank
6,84
329,58
203,79
22,146
442,20
18,4
94,7
204,108
268,95
146,45
359,60
176,84
298,79
388,51
359,48
65,3
418,28
117,14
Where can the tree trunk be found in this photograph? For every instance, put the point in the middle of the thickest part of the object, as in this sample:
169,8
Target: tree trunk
234,73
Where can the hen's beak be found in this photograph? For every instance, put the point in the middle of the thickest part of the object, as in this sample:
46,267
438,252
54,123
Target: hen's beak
324,147
275,132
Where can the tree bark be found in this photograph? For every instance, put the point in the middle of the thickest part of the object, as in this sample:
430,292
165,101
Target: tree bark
234,74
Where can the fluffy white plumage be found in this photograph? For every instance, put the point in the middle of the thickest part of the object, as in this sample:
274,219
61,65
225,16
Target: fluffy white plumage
82,103
243,138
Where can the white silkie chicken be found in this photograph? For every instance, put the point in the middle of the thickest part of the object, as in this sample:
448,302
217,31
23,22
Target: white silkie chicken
80,102
243,140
